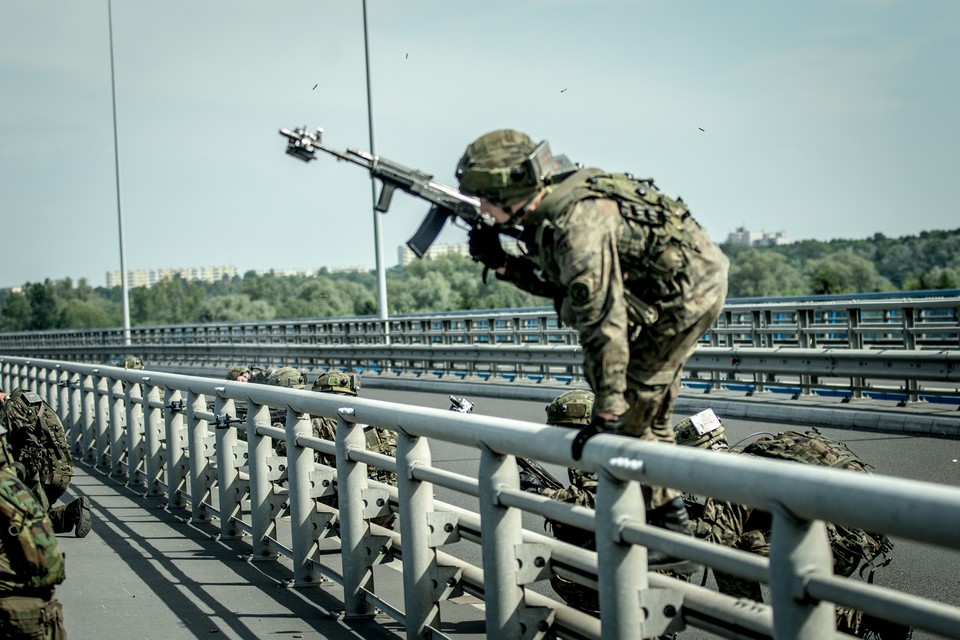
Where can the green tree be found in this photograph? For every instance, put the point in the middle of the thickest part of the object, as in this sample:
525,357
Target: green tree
16,314
757,273
845,272
175,301
235,307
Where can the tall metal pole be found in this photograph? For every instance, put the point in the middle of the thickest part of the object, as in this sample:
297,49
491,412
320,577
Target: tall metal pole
116,164
377,239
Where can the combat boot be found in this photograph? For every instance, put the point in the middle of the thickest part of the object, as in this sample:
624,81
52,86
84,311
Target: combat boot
78,517
671,516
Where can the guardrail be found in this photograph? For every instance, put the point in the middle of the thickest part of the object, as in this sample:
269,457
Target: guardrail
928,322
154,429
905,375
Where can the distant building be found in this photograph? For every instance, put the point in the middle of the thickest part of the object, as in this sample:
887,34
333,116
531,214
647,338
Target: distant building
405,256
309,273
150,277
743,237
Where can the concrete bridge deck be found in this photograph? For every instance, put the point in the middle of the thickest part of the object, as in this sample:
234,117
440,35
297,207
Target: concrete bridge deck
146,572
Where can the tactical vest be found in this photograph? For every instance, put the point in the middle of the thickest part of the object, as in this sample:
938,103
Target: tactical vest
850,546
29,555
38,440
656,234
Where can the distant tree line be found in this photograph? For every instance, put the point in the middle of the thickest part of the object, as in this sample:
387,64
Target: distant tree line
930,260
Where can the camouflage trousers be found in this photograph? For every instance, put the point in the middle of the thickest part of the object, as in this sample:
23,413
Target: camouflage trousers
26,618
657,357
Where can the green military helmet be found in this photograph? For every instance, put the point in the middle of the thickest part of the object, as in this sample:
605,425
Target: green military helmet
701,430
131,362
571,409
497,167
289,377
235,373
338,382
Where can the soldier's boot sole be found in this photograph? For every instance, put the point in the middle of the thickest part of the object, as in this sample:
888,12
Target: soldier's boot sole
84,519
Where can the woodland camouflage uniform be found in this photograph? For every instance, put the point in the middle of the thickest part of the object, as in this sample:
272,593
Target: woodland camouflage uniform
31,564
378,440
749,529
627,266
39,444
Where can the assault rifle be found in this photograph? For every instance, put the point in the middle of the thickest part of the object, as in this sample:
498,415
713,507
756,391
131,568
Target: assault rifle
446,201
532,474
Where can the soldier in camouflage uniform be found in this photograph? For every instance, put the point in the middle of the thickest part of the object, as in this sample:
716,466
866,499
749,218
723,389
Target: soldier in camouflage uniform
31,564
131,362
239,373
378,440
570,409
39,445
749,529
626,266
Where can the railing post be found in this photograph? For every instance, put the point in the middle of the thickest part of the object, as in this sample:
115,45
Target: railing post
88,417
101,443
117,426
176,462
197,433
153,464
230,489
351,483
910,343
419,558
78,412
621,568
133,399
501,528
800,548
262,518
302,503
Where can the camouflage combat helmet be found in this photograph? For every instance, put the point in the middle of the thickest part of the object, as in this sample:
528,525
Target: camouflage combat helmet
338,382
234,373
287,377
571,408
495,167
131,362
701,430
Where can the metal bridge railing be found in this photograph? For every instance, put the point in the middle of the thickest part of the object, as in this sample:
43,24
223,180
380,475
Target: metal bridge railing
929,322
906,375
159,430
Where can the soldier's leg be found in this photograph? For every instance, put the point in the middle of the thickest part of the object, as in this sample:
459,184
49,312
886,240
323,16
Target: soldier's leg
72,517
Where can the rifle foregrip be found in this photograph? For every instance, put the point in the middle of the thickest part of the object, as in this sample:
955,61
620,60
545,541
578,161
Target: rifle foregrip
428,230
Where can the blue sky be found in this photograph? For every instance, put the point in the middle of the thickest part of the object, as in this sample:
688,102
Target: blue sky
819,119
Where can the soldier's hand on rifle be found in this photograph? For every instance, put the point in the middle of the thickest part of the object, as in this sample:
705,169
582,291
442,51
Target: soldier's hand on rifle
486,249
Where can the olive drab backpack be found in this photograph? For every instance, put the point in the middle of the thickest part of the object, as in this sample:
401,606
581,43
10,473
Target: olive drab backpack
850,546
29,554
37,438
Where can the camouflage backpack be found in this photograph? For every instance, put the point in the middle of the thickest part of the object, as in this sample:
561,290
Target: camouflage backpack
38,440
29,554
850,546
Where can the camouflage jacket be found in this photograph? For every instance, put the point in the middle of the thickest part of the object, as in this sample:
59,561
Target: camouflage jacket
30,558
621,256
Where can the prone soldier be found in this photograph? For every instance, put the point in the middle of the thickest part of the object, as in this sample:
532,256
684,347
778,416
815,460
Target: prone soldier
749,529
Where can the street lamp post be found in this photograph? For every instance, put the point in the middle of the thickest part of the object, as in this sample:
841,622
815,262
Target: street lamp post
116,164
377,239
